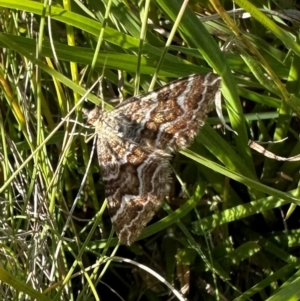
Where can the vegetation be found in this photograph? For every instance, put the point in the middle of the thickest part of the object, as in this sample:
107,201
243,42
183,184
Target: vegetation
230,230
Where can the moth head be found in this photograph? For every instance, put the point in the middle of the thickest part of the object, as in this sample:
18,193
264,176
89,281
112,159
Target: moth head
93,116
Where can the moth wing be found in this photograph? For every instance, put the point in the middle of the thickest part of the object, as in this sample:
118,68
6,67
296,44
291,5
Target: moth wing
170,117
136,182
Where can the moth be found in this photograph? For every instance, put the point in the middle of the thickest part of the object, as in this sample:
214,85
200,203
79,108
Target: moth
135,142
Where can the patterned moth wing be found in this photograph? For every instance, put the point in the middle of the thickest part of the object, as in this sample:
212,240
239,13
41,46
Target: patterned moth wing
134,142
170,117
136,178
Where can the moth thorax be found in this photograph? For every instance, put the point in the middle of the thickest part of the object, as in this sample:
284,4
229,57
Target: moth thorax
126,127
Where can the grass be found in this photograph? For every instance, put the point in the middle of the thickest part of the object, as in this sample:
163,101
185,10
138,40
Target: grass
231,229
